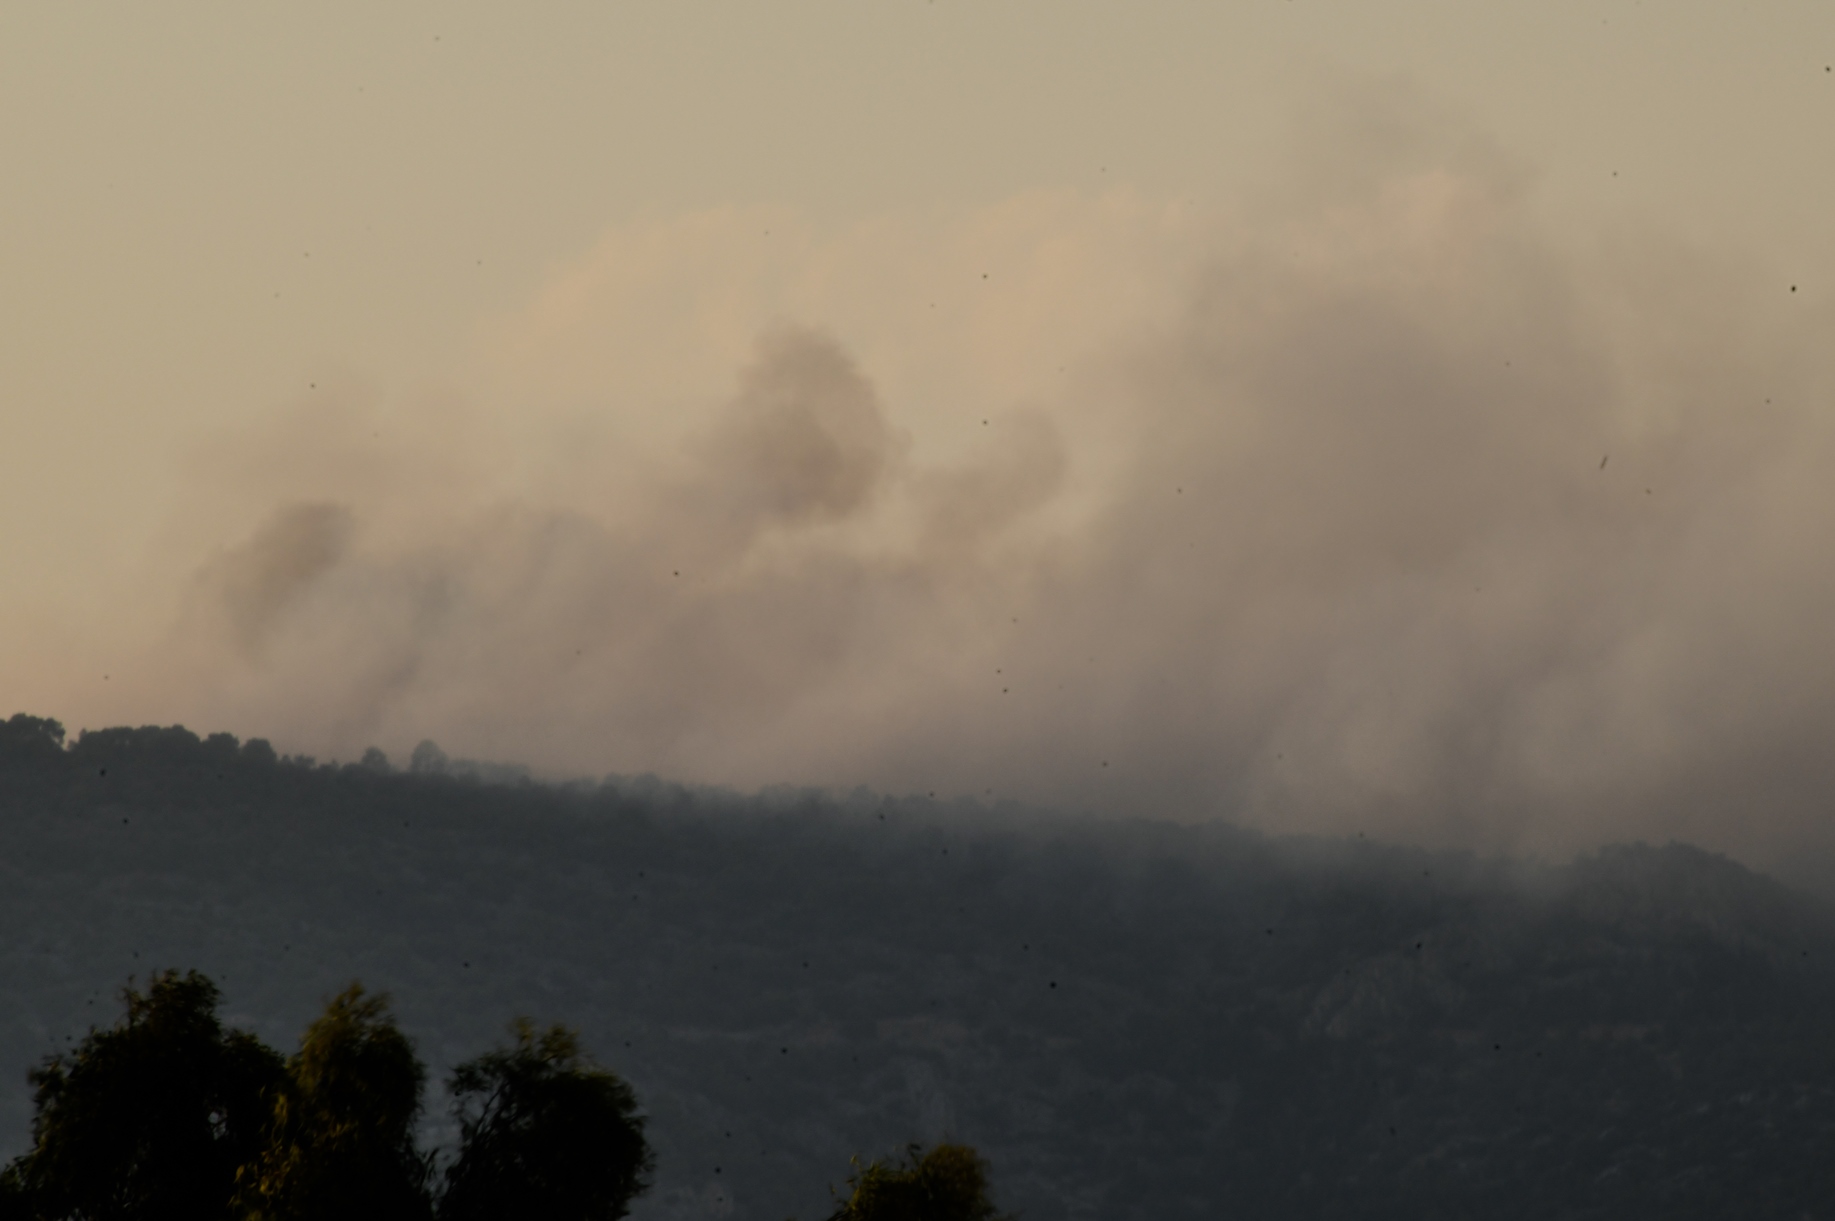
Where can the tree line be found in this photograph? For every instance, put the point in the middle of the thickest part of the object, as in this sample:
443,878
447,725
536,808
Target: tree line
170,1114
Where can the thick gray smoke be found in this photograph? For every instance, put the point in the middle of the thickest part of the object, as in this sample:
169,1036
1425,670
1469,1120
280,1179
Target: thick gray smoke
1409,519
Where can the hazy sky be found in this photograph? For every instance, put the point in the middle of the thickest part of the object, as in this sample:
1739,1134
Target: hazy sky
1411,415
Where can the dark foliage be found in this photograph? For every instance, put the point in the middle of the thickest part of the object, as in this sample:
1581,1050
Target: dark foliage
150,1119
30,737
342,1138
544,1133
167,1116
948,1183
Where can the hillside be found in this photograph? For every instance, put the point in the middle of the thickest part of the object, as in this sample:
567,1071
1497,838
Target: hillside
1130,1019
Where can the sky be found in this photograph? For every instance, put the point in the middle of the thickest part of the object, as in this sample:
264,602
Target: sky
1331,417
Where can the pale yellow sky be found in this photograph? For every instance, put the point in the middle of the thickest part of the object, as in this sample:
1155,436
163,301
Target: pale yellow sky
170,169
432,262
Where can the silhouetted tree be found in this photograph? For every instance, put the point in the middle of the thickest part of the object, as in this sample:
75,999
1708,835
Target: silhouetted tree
15,1197
544,1132
949,1183
427,760
32,736
149,1119
374,760
341,1141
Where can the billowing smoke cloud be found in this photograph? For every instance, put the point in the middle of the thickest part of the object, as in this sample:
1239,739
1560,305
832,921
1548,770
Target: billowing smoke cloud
256,582
804,442
1372,507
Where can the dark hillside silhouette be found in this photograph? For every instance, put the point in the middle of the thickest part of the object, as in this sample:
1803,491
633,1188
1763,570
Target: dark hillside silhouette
1128,1019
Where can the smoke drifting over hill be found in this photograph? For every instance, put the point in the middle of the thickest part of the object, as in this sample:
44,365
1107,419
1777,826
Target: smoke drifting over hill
1370,502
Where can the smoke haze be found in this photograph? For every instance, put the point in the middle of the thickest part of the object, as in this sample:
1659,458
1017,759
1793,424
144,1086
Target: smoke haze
1361,503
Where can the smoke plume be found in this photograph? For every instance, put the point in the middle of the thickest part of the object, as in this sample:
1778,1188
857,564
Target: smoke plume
1368,504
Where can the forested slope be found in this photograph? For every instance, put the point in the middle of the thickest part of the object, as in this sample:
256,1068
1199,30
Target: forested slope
1129,1019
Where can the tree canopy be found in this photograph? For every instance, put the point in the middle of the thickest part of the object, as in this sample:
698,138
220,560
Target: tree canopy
948,1183
152,1117
543,1129
168,1114
341,1140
